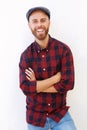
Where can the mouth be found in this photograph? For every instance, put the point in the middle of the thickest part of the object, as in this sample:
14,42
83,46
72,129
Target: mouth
40,30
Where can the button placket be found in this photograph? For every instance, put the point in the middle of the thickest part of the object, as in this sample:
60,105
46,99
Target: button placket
43,61
49,105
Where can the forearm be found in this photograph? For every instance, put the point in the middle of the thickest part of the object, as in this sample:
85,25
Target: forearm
47,84
43,85
50,90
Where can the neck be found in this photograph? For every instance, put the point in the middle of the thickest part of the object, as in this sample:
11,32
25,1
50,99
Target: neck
43,43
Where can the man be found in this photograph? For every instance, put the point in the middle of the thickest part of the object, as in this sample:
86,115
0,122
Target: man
46,75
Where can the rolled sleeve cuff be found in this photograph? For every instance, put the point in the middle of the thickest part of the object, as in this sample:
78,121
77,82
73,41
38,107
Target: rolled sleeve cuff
59,88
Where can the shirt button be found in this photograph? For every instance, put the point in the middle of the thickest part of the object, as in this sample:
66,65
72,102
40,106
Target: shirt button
47,114
47,50
44,69
48,104
43,56
38,51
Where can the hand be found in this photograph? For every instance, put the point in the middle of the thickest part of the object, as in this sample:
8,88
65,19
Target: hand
57,77
30,75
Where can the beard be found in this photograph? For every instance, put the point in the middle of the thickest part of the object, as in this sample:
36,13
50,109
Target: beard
40,33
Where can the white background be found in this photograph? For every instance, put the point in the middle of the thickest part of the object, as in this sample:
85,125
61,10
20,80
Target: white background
68,24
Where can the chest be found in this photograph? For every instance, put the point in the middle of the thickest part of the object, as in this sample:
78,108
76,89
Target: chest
45,63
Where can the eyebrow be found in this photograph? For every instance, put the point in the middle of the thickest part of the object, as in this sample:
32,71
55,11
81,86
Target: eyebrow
40,19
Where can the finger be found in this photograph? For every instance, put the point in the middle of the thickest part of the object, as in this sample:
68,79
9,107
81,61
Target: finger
28,71
31,70
28,78
27,74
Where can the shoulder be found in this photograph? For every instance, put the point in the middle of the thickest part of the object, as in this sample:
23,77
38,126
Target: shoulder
28,50
60,45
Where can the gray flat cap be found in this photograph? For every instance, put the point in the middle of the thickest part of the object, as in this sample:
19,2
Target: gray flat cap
44,9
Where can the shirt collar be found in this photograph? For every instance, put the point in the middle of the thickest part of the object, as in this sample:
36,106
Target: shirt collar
39,49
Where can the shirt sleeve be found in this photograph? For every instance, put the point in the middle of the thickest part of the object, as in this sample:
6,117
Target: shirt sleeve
67,72
28,87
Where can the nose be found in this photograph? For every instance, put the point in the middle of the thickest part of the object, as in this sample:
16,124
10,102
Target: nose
39,23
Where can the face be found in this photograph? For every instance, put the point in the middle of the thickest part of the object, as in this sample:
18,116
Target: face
39,24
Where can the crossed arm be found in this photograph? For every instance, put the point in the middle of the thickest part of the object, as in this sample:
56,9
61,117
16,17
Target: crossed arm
46,85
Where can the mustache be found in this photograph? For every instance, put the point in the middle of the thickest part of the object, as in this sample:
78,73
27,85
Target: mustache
40,27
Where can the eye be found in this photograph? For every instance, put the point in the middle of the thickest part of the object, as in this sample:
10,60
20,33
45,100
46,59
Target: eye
35,21
43,20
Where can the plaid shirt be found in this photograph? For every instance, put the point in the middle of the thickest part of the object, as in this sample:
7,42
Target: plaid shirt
56,57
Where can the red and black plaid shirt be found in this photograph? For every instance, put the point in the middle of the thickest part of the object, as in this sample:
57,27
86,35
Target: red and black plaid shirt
57,57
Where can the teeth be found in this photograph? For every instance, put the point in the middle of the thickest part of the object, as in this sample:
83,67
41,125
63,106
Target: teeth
40,30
